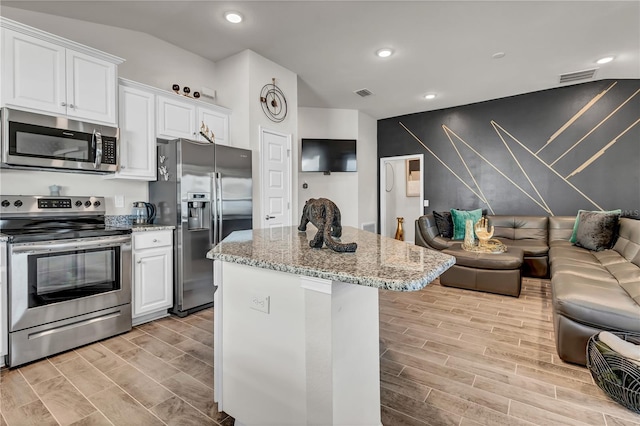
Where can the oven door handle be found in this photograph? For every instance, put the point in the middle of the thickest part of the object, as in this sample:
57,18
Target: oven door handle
74,244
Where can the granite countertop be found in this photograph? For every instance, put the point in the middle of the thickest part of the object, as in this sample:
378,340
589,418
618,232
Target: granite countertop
4,238
378,262
143,228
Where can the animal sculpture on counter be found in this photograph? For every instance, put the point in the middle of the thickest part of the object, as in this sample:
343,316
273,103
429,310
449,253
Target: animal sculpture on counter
324,215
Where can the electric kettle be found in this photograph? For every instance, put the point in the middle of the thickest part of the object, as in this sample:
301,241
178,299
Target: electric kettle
143,213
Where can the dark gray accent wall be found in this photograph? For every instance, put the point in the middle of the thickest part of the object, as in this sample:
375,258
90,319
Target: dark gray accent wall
543,153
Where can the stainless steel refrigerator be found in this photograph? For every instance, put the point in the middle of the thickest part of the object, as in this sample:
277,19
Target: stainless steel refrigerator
204,190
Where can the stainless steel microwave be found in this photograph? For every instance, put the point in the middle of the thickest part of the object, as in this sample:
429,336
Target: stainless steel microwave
46,142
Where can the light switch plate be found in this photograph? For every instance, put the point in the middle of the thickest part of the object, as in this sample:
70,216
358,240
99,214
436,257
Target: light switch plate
119,201
425,203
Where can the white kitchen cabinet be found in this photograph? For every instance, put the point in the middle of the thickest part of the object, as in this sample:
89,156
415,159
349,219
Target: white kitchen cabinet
176,118
217,122
181,117
136,120
91,88
152,274
4,331
45,73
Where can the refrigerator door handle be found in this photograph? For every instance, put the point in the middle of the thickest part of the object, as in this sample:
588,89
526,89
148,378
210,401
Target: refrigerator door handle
214,211
219,203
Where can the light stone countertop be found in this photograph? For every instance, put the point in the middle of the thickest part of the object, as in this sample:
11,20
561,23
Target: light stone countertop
378,262
4,238
144,228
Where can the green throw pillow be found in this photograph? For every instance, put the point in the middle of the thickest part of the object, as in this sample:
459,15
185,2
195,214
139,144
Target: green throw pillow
459,219
574,234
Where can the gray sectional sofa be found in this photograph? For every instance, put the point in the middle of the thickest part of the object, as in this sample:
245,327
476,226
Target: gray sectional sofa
592,291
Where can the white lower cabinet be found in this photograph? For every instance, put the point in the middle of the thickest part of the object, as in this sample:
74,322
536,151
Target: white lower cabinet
152,275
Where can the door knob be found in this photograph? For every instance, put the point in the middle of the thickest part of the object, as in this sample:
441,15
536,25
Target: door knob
269,217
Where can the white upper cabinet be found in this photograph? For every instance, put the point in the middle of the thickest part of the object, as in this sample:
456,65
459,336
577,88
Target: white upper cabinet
176,118
181,117
137,133
52,75
33,73
217,122
91,88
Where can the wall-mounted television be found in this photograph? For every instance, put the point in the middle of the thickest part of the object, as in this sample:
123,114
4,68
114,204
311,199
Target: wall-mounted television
328,155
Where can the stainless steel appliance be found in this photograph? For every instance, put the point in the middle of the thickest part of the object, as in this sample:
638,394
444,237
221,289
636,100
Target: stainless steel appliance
205,191
32,140
69,276
143,213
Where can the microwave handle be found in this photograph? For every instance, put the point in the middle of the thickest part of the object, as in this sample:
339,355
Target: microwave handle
97,146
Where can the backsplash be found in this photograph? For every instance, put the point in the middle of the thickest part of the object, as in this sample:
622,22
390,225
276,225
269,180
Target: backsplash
123,220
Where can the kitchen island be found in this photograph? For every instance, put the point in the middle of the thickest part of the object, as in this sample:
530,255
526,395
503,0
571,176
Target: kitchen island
296,328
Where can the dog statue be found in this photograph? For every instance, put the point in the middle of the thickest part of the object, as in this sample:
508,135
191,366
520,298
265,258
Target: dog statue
324,215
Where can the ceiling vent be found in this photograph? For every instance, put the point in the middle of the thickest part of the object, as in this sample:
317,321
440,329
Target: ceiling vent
363,92
578,75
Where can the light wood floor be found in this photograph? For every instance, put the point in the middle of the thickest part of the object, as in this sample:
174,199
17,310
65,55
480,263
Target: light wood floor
458,357
448,357
159,373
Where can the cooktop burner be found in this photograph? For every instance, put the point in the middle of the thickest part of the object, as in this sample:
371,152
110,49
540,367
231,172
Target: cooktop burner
25,218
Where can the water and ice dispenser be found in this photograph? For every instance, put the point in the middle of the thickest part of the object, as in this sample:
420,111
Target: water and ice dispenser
198,211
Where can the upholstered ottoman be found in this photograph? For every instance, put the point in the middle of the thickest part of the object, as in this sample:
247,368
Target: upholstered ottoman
491,272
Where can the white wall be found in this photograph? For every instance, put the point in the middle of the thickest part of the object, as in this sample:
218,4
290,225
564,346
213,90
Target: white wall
23,182
241,78
339,187
355,194
367,150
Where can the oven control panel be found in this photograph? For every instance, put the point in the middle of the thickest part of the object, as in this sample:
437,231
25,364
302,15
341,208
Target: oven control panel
28,205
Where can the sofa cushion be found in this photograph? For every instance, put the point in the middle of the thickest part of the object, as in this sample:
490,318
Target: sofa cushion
628,243
594,302
560,228
574,232
530,247
459,218
444,223
519,227
596,230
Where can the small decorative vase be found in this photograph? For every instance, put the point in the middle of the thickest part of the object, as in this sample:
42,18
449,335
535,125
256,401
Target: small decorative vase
469,239
399,231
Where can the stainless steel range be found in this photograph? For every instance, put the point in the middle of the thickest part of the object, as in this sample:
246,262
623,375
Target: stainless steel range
69,275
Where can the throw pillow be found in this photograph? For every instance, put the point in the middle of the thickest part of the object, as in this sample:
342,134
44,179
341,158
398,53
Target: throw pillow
444,223
574,234
596,230
460,217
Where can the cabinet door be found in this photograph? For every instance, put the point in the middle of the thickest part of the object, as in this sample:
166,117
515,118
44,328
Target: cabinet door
33,73
152,280
218,124
137,134
176,119
91,88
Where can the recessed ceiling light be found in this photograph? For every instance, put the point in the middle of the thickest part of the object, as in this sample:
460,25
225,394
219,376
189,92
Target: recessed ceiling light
498,55
384,52
233,17
605,60
430,96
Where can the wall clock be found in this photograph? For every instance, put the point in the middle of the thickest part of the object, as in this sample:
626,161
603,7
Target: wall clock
274,104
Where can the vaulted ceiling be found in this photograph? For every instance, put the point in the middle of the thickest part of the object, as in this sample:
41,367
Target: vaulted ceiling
440,47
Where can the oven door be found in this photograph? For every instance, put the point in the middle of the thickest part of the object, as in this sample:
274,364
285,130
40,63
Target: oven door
54,280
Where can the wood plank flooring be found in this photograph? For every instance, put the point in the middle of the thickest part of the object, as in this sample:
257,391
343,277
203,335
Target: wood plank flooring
447,357
459,357
160,373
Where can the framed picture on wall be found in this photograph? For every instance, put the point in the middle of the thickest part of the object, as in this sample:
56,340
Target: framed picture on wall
412,168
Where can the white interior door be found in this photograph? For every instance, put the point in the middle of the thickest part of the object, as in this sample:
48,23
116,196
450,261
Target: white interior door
276,178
